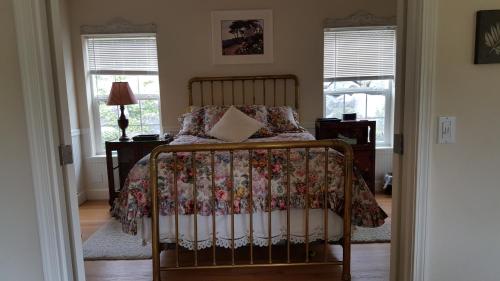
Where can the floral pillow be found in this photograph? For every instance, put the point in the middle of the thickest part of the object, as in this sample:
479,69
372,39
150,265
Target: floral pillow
213,113
283,119
192,123
259,113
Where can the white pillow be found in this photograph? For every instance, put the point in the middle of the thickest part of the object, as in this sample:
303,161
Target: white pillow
235,126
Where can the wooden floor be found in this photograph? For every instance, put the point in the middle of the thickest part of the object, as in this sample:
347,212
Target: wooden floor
370,262
93,214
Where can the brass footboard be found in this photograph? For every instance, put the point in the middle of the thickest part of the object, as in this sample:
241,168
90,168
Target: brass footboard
251,147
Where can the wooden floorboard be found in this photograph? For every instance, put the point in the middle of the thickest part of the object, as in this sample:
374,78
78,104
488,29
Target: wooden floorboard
93,214
370,262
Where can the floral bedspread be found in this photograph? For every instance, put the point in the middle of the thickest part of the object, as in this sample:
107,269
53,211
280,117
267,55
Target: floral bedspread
134,199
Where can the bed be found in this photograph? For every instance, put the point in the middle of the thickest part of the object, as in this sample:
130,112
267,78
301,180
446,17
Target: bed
278,189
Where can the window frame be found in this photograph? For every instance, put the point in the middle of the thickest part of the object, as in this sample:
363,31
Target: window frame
389,104
94,99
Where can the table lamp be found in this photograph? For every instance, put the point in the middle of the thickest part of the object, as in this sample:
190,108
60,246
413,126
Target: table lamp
121,95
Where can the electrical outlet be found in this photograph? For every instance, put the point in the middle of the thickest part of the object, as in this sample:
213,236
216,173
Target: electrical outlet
446,131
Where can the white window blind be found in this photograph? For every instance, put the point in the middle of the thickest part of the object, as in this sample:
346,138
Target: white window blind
124,54
359,53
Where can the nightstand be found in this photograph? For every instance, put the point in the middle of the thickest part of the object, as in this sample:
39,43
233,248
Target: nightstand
362,135
128,153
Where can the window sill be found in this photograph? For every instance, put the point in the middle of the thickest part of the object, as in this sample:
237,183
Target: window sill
99,157
383,148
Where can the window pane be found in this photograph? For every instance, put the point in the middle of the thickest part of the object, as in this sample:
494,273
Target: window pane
152,129
109,118
109,133
150,114
334,106
356,103
133,130
133,81
357,85
380,129
144,118
149,85
376,106
109,114
102,85
133,113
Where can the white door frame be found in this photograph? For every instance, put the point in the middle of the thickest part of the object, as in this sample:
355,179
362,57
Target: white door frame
416,69
43,137
64,87
417,21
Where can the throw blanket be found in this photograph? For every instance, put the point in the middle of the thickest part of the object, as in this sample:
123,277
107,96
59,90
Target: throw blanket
134,200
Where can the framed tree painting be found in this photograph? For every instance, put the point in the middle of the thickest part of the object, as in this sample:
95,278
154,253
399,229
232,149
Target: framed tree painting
240,37
487,37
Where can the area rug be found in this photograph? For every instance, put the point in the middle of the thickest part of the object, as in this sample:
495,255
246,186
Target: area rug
110,243
364,235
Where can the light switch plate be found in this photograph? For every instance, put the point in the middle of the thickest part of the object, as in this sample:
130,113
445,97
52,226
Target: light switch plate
447,130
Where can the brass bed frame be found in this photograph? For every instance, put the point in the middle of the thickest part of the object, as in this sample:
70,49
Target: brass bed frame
209,82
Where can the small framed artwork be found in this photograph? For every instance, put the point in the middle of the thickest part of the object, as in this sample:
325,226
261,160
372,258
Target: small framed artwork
487,37
240,37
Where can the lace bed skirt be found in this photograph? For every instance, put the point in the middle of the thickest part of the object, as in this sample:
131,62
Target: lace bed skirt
242,228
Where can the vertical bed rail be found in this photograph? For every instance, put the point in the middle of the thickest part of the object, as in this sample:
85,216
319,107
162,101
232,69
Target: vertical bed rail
288,202
346,243
269,207
269,147
307,206
195,207
214,206
250,204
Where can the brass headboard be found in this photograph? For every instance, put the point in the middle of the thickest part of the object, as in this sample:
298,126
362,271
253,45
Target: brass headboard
272,90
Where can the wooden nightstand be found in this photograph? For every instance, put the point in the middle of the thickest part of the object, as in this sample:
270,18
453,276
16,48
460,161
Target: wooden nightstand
128,153
363,133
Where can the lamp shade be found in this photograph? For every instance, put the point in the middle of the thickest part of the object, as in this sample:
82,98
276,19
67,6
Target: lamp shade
121,94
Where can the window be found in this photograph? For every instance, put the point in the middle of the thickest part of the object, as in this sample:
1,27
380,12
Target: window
359,67
131,58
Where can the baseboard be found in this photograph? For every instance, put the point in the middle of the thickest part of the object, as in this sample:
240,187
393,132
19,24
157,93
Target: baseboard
97,194
82,197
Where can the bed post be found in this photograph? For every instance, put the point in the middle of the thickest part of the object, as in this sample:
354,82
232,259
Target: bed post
346,258
155,214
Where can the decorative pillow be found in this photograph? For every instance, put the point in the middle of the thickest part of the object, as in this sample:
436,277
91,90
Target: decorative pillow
235,126
192,123
259,113
283,119
213,113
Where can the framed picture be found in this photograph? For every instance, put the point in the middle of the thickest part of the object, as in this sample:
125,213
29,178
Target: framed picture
242,36
487,37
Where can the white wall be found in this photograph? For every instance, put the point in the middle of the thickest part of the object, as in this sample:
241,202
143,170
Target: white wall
20,256
184,40
383,165
464,204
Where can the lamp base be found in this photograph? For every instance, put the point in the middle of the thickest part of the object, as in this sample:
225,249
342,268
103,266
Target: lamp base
123,124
